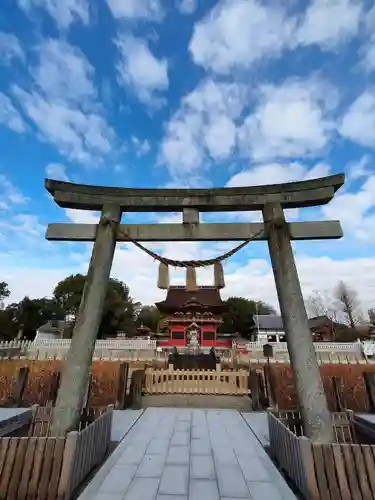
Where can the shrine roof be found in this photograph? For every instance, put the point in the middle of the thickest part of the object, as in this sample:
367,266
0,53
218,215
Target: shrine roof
178,296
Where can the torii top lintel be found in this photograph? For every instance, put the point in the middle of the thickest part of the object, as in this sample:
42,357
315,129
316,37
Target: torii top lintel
290,195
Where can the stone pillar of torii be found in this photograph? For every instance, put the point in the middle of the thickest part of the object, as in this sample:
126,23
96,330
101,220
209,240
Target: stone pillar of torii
270,199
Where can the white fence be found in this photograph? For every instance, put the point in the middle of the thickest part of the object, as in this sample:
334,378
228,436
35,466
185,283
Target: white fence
145,349
111,344
319,346
132,349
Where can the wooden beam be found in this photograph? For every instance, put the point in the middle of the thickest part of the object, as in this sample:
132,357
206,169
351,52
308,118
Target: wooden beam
195,232
289,195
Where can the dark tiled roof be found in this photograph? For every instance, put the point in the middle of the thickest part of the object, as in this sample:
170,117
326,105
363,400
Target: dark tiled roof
274,322
318,321
178,296
56,328
269,322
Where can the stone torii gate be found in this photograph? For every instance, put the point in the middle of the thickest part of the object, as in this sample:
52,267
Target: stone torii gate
270,199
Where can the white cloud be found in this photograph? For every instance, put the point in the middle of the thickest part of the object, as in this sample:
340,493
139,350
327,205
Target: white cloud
62,105
187,6
277,173
10,48
9,116
368,49
240,33
82,216
361,168
65,12
150,10
63,72
21,233
80,136
353,209
368,60
10,195
290,120
140,69
329,23
141,147
203,128
358,124
57,172
316,274
140,273
35,282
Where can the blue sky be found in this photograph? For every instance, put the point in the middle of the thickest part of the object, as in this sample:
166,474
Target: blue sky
156,93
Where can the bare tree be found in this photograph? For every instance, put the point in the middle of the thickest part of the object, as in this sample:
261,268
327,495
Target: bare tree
371,315
347,301
320,304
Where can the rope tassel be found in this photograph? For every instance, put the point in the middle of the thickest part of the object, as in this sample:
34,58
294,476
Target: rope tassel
163,276
191,279
219,281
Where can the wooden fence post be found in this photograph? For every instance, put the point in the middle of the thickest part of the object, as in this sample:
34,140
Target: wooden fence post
65,483
270,387
370,388
86,400
310,483
339,391
136,387
263,398
122,386
15,398
254,389
54,388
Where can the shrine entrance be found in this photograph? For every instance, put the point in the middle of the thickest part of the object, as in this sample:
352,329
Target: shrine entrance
272,200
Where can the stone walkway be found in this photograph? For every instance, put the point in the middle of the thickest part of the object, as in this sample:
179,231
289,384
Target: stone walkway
122,421
257,421
195,454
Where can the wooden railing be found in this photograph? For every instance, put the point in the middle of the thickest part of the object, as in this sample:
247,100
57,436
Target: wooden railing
343,470
286,447
90,446
39,466
170,381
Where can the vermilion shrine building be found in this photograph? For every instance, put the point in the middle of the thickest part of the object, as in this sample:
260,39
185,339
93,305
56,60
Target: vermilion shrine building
192,315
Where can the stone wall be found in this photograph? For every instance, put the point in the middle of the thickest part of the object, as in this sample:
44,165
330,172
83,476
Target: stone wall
105,376
352,380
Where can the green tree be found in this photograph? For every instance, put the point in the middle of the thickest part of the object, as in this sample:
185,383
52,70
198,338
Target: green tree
68,293
8,327
240,316
22,319
149,316
4,290
119,307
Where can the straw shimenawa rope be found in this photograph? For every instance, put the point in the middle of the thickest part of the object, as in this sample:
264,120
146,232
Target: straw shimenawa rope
197,263
189,265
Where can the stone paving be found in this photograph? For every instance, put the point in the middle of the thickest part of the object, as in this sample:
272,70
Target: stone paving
6,413
122,421
195,454
257,421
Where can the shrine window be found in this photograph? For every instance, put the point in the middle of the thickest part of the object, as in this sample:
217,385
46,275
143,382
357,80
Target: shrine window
178,335
208,335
